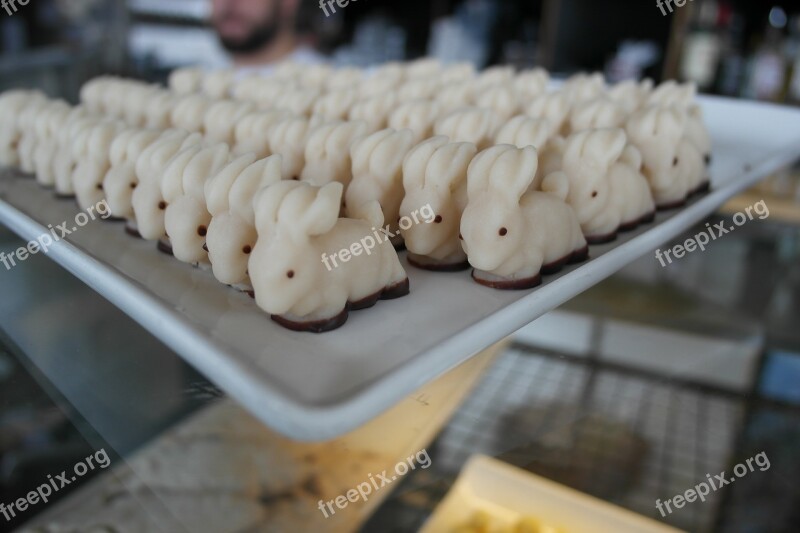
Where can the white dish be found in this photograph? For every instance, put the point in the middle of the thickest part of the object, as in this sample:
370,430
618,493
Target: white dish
509,494
316,387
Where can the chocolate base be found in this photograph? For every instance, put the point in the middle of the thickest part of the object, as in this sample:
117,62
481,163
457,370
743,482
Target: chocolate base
444,267
702,189
133,232
511,284
317,326
672,205
601,239
398,290
576,256
579,256
391,292
632,225
164,246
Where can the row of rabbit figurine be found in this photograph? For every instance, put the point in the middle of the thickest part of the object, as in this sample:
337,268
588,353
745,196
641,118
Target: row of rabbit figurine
514,203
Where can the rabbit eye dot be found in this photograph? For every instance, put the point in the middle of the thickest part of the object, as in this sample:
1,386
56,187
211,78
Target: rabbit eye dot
503,232
133,185
99,186
290,274
438,219
594,194
247,249
162,205
461,237
675,162
202,230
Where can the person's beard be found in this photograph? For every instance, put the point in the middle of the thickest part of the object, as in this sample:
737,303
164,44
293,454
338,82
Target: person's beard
261,36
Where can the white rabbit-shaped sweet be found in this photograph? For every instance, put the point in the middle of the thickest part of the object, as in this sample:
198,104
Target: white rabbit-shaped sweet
493,76
378,176
344,78
419,116
288,138
299,101
435,181
455,96
72,148
531,83
216,84
555,107
333,106
582,87
672,164
220,120
158,114
190,111
251,132
186,80
327,155
93,165
46,148
472,124
601,180
551,157
186,217
232,232
12,103
685,96
28,140
631,95
501,98
457,73
601,112
120,180
374,111
296,267
522,131
147,199
513,235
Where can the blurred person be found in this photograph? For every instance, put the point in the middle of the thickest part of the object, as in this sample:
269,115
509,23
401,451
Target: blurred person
261,32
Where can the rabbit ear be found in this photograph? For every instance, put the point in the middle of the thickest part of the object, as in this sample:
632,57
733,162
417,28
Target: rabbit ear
480,169
504,169
206,163
514,170
388,156
172,178
218,187
670,123
317,140
594,151
360,150
416,161
523,130
343,135
267,201
319,207
262,173
642,124
448,166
